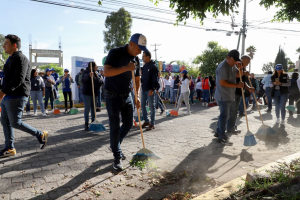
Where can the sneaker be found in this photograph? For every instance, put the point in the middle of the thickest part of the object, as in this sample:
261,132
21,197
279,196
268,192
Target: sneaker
34,114
269,110
44,114
150,127
66,111
46,111
282,122
145,124
161,112
242,115
28,113
277,121
203,104
225,142
123,157
117,164
43,139
187,113
206,104
7,152
86,127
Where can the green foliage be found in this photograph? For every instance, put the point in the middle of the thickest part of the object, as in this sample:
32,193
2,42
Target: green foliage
268,67
192,70
58,70
281,59
210,58
143,164
291,70
251,50
118,33
2,53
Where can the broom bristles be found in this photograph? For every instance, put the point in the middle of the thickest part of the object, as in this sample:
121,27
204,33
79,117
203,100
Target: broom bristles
291,108
265,130
142,153
249,139
97,126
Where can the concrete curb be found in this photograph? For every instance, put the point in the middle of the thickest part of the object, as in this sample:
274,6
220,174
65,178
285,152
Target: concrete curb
224,191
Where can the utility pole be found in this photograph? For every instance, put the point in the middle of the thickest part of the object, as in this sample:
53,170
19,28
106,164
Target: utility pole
155,49
244,29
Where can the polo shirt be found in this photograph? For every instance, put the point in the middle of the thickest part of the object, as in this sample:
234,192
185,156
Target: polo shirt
116,58
225,72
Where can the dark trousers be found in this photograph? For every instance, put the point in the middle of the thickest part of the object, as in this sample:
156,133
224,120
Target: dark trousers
116,104
66,99
199,94
292,99
192,95
48,94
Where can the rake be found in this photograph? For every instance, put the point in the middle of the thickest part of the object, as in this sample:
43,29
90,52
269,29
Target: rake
167,112
263,129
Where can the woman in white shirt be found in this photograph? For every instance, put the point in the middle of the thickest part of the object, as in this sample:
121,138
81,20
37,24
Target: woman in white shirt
199,89
167,87
185,91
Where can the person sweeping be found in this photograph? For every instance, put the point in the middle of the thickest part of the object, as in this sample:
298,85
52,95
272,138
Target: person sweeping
185,91
118,69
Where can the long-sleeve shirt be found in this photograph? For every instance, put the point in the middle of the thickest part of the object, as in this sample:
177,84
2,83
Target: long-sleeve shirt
161,83
267,81
185,85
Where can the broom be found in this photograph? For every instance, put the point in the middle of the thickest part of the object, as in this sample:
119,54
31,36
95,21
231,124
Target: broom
292,108
175,112
143,153
95,125
73,110
249,139
263,129
56,110
167,112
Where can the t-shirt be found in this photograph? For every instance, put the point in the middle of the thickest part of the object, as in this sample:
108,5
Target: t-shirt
119,57
185,85
199,86
67,85
167,82
225,72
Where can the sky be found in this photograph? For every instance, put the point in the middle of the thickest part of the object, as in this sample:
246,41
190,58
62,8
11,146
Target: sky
81,31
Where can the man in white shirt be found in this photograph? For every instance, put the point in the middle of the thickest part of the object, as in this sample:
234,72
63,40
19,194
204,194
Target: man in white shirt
167,87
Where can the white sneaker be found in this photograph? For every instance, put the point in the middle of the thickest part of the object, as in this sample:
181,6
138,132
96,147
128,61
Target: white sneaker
46,111
282,122
187,113
203,104
277,121
34,114
44,115
28,114
206,104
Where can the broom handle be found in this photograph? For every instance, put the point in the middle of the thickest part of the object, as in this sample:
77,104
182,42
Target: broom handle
93,91
256,102
177,96
161,101
53,96
244,101
297,101
138,110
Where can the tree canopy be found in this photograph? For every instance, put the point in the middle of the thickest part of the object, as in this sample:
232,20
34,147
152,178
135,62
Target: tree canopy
210,58
118,33
268,67
58,70
2,53
281,59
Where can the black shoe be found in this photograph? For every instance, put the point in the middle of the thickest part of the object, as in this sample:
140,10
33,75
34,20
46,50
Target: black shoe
269,110
242,115
161,112
86,127
123,157
225,142
98,109
216,134
118,164
66,111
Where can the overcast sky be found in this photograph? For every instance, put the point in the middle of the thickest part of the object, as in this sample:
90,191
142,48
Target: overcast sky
81,31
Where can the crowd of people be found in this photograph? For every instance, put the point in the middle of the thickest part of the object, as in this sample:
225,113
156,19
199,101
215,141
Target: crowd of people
115,85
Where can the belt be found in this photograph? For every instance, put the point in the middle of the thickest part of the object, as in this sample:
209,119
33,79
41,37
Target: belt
117,94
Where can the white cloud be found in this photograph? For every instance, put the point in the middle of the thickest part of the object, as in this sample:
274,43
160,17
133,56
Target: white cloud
86,22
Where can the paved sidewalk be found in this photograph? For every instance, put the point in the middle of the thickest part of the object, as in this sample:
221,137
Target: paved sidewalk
78,165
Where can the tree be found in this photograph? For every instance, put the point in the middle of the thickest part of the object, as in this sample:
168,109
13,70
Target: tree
268,67
58,69
3,55
291,65
251,50
298,50
192,70
210,58
281,59
118,33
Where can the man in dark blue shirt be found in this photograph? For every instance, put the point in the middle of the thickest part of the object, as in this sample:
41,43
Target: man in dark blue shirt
149,85
118,68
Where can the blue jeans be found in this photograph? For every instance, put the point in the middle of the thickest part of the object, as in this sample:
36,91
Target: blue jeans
158,102
171,95
241,106
28,105
199,94
167,91
99,100
254,97
280,102
80,94
269,97
37,96
205,96
11,117
151,100
233,113
88,105
225,107
116,104
48,94
192,95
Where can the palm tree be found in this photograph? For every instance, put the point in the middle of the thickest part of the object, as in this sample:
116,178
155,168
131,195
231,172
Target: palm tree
298,50
251,50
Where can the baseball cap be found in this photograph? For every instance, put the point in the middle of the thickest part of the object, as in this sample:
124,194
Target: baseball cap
235,54
52,69
140,40
48,69
184,72
278,67
66,70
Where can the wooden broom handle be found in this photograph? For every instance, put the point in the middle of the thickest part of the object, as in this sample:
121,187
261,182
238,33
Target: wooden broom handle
53,97
256,102
138,110
93,91
161,101
177,96
244,101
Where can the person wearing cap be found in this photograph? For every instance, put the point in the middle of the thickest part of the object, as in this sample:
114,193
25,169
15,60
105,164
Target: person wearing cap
67,81
49,89
37,91
78,82
150,84
14,94
185,91
280,91
118,69
226,85
268,87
